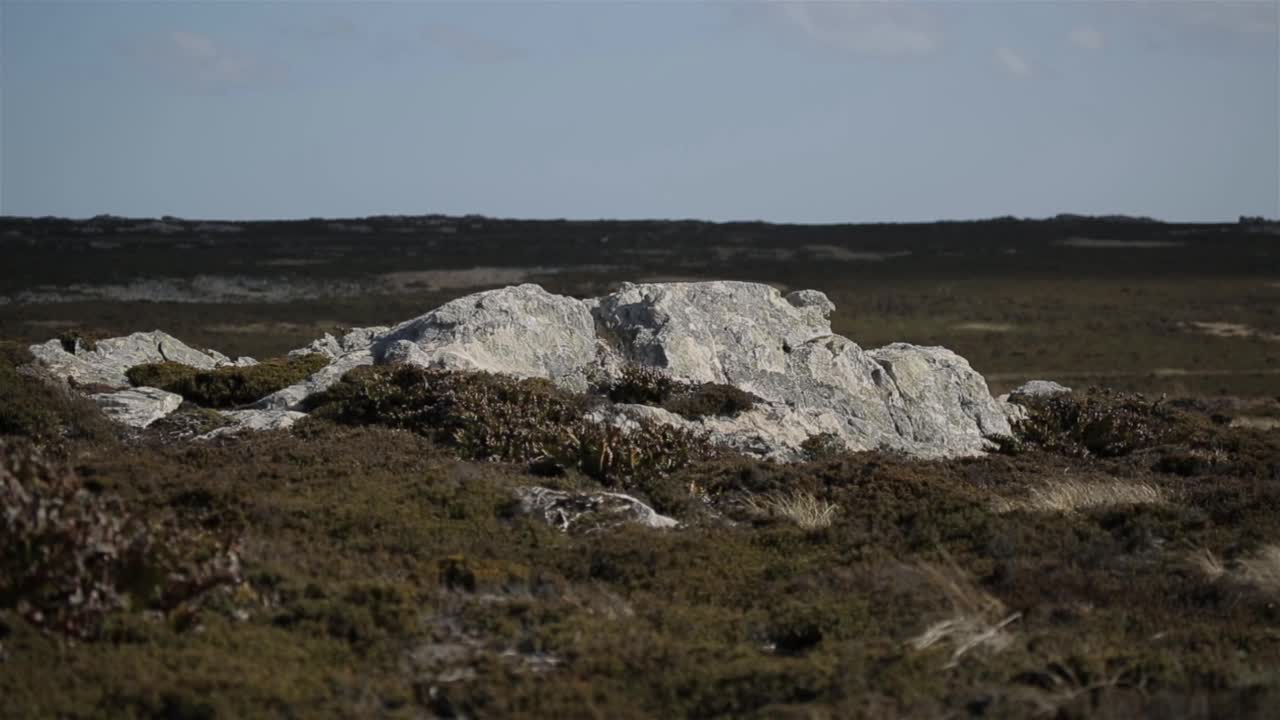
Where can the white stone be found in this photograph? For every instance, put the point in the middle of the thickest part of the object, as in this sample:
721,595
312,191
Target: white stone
107,362
137,407
522,331
569,511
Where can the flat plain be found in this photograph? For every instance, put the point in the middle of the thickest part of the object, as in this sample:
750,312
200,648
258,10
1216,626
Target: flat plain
1120,558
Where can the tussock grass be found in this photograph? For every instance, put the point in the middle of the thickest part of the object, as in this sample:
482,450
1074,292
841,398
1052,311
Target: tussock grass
979,620
1068,496
802,508
1261,570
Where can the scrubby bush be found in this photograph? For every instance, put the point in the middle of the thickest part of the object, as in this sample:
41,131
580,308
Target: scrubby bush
1104,423
73,340
650,386
38,408
226,387
494,417
69,556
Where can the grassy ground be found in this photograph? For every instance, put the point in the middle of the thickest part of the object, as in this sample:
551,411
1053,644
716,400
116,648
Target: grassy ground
1121,561
384,576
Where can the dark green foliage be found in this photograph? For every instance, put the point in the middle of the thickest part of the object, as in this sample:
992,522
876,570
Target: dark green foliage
69,556
710,399
650,386
161,375
494,417
227,387
74,341
1102,423
642,386
822,446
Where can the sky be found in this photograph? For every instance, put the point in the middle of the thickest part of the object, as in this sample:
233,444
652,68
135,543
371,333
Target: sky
785,112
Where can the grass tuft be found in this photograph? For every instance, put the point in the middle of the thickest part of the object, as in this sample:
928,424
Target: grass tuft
802,508
1069,496
978,620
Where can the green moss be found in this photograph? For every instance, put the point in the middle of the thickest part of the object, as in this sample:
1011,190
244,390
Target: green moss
227,387
161,375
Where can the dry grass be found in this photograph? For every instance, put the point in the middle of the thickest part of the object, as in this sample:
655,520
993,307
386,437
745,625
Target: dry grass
1207,564
801,508
1067,496
979,620
1261,570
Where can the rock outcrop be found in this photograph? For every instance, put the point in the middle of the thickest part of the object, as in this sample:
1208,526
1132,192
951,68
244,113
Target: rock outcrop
926,401
106,362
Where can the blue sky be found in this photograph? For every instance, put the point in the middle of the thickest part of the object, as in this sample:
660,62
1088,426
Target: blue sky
789,112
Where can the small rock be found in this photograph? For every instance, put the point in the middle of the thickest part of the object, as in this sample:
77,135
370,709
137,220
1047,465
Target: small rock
138,407
571,511
255,420
1038,388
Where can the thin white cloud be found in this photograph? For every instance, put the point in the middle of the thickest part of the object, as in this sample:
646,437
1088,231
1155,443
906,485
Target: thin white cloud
880,29
1088,38
195,62
1014,63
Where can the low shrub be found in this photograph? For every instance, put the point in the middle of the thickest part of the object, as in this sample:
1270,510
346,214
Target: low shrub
650,386
1104,423
226,387
42,409
493,417
69,556
73,341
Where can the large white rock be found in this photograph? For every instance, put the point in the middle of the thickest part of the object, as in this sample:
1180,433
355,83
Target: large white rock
722,332
924,401
137,407
107,362
523,331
